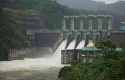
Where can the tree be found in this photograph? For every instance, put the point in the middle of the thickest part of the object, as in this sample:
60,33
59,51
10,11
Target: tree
10,37
111,68
108,48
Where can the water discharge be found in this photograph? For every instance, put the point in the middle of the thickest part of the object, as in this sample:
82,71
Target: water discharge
71,45
57,54
35,64
81,44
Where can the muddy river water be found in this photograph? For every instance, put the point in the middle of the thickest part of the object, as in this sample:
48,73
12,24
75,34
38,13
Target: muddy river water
29,69
33,69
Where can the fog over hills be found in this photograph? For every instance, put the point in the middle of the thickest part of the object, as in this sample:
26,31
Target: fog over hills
118,7
82,4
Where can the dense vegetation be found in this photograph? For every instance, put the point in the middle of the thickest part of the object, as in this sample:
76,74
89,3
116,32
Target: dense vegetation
9,36
111,67
51,13
117,7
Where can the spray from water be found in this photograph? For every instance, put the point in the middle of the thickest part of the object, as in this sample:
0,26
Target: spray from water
57,54
35,64
71,45
81,44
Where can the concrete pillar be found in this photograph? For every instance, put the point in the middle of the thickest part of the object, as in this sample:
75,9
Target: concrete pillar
90,21
90,25
109,22
100,22
81,17
64,22
72,22
81,24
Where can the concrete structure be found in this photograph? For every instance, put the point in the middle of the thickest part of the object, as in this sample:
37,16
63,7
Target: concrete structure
109,22
64,23
118,36
86,37
73,22
90,21
100,17
81,18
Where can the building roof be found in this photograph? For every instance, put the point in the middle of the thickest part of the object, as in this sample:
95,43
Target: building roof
96,49
90,49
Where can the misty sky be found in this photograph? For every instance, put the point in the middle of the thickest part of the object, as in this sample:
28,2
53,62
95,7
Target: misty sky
108,1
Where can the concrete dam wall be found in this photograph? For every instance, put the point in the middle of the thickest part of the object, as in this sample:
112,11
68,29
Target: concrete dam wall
45,43
118,37
46,39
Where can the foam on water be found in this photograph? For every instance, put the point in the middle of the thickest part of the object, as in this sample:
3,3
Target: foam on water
35,64
81,44
71,45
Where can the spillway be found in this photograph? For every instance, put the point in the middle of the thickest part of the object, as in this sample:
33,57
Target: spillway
39,64
71,45
57,54
81,44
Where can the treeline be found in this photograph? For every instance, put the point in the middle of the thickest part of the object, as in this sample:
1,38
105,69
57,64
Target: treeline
117,7
52,12
10,37
109,67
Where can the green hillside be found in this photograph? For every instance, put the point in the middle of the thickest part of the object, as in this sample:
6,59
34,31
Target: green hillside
51,12
117,7
10,37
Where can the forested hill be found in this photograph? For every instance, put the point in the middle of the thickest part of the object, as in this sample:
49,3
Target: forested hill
51,12
118,7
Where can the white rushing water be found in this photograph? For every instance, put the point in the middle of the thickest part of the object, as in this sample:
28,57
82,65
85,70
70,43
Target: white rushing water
81,44
34,64
57,54
71,45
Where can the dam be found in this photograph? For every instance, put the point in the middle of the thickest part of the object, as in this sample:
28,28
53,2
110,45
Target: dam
46,42
80,43
54,49
79,38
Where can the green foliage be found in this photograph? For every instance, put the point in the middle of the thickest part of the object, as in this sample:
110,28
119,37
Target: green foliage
9,36
63,71
9,33
108,48
101,44
97,70
112,67
33,4
51,13
83,71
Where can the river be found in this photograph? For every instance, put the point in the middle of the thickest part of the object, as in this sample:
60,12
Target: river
33,69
